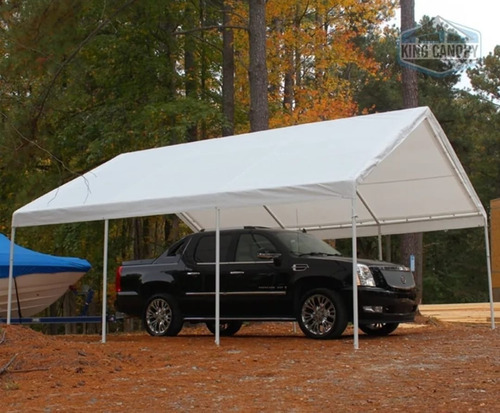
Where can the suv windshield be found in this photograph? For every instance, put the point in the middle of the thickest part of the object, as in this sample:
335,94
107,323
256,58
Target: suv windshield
300,243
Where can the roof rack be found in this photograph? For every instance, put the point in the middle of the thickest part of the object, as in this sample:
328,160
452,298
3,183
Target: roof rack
254,227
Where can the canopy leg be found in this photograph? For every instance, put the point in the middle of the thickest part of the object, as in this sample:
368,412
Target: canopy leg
488,265
217,276
354,276
105,281
11,275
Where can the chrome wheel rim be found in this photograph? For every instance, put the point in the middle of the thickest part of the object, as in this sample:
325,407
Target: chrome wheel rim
318,314
158,316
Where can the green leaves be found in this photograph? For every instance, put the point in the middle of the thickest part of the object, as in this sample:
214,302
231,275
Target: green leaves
85,80
485,78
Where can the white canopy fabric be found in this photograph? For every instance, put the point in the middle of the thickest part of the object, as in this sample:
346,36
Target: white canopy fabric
399,165
385,173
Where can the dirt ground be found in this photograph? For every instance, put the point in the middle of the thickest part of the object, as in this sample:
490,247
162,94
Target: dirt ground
433,366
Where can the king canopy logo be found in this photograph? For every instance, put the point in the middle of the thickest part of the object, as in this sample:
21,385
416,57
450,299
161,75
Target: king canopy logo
439,47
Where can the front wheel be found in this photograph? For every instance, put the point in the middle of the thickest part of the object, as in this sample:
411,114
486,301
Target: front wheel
378,329
162,316
226,329
322,314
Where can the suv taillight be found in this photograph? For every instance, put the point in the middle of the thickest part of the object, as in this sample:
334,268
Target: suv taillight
118,279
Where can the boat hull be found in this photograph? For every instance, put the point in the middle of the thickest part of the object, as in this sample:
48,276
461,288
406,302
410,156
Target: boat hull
36,292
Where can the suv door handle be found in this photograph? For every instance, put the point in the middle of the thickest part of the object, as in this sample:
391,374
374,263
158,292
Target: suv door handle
300,267
237,272
193,273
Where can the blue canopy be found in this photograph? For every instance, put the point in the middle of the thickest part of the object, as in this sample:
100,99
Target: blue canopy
27,261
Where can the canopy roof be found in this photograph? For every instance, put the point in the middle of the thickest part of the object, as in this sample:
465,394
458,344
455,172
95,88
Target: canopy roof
33,262
399,166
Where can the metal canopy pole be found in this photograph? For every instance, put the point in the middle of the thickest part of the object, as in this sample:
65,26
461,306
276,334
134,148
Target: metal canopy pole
376,221
217,276
380,256
488,265
354,275
273,216
11,275
105,280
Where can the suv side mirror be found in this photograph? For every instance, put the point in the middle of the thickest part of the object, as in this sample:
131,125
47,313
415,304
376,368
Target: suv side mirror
268,255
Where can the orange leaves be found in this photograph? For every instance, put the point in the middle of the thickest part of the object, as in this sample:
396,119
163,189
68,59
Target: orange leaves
314,51
314,106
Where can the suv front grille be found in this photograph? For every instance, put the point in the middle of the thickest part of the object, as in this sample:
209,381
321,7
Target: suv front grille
379,278
393,278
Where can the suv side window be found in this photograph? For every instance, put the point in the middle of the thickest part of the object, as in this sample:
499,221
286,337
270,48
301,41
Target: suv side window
249,246
205,250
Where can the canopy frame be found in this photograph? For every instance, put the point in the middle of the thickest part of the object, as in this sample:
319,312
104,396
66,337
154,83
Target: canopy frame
383,164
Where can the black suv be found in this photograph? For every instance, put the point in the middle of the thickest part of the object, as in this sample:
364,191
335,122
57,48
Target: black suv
265,275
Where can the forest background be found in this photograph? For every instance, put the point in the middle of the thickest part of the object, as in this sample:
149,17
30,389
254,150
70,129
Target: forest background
85,80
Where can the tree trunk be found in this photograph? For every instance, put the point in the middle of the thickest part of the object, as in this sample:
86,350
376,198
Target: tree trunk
410,87
227,73
190,66
297,59
259,108
289,80
411,244
288,83
141,238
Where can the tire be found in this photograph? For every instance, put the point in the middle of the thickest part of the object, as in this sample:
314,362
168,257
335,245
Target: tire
378,329
162,316
322,314
226,329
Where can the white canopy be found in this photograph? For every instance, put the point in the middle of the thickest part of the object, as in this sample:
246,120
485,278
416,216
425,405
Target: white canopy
386,173
399,165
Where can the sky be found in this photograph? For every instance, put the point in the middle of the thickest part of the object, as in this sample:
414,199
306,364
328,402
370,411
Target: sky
480,15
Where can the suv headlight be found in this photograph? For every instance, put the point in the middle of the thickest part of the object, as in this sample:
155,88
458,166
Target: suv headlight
365,276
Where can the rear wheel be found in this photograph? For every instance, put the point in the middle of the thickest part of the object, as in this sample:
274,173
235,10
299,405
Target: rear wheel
162,316
227,328
378,329
322,314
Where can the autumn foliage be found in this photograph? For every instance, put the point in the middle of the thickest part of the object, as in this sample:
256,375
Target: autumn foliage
314,51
